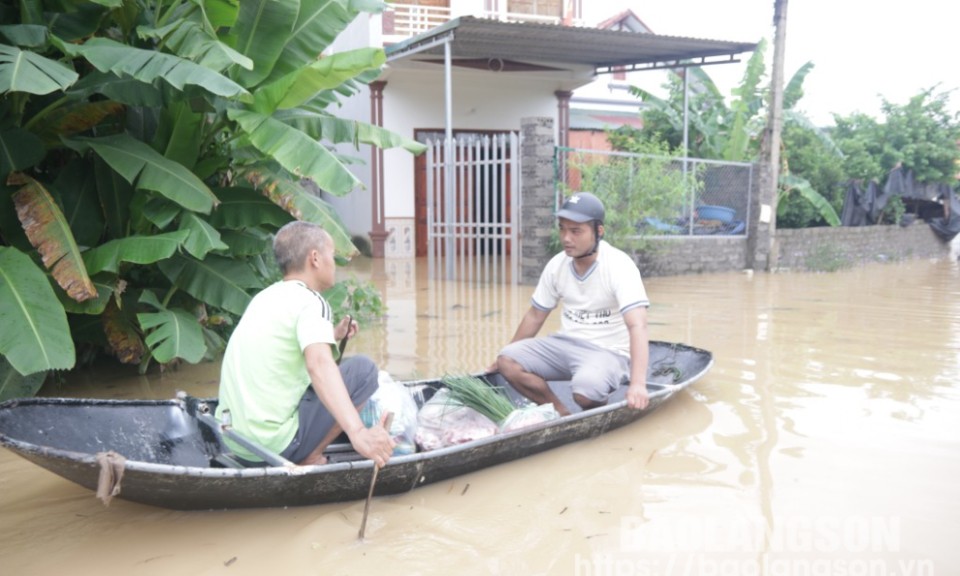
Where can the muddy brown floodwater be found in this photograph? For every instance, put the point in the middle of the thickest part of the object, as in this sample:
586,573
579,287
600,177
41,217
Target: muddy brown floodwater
825,440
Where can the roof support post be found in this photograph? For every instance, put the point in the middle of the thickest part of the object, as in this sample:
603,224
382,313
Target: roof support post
449,181
563,130
378,232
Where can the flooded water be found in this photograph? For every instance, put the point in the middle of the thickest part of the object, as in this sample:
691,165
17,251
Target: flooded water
825,440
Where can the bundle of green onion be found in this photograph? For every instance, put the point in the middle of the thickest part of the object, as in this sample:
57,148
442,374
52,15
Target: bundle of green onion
470,391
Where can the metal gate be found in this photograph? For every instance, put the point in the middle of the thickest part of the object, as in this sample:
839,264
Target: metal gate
473,200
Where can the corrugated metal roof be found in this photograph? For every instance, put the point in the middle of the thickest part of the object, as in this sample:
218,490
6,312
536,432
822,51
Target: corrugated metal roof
473,37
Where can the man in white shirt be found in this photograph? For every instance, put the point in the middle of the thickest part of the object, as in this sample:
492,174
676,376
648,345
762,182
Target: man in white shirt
603,340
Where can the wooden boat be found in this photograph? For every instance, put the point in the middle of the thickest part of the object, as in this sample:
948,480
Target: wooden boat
174,455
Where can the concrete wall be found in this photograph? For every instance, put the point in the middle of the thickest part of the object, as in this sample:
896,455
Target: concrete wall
822,249
811,247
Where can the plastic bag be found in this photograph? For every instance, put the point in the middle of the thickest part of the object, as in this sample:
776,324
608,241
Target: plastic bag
529,416
442,423
391,396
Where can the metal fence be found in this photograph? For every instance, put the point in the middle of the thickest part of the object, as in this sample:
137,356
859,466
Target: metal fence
661,196
473,199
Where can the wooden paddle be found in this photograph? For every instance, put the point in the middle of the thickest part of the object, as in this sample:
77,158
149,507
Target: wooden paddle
388,420
343,343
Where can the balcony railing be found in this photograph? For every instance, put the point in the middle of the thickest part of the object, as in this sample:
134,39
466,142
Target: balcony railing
406,20
401,21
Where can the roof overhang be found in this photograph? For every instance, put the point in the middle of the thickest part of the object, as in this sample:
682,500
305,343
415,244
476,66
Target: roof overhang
603,50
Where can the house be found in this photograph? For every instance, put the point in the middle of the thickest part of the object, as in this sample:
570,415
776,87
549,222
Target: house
471,69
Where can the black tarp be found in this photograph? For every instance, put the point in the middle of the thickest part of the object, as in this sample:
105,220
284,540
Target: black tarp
948,226
864,203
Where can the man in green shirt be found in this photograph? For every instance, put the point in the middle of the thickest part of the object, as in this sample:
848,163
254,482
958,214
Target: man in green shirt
279,379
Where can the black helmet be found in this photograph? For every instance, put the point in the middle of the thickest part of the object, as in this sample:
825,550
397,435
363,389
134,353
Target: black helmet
582,207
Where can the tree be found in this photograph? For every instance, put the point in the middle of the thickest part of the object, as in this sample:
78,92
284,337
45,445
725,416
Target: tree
920,136
733,132
149,148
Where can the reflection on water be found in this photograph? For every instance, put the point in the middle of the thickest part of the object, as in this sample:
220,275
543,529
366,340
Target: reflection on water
828,430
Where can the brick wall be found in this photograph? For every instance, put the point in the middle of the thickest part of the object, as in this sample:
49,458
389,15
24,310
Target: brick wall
803,249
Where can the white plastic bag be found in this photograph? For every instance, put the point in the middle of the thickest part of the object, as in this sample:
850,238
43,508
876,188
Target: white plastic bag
442,423
529,416
391,396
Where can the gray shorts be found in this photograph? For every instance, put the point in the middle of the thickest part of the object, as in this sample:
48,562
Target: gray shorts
360,374
594,372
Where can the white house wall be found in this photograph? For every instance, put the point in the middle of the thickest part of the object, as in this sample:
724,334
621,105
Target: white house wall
354,209
415,99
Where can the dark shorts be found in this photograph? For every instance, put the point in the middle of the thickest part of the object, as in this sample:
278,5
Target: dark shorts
594,372
360,375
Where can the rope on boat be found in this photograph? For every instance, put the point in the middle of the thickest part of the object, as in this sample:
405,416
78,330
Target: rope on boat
112,466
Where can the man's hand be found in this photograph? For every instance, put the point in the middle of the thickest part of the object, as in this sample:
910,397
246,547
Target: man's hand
373,443
637,396
347,327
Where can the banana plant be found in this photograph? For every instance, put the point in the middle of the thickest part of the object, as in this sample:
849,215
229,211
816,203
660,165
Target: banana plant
732,131
148,150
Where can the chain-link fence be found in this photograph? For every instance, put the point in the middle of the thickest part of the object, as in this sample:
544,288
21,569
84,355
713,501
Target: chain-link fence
660,196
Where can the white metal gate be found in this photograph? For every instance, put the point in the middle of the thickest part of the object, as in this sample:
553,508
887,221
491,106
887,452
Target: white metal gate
473,207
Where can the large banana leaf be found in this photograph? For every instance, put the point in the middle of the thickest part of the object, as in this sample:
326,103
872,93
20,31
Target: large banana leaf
19,149
35,335
295,151
745,107
73,119
24,35
138,162
190,40
293,89
793,92
302,205
318,23
108,286
202,237
15,385
124,90
261,31
341,130
801,185
180,133
659,104
135,249
149,66
48,231
25,71
246,208
249,242
171,333
216,280
219,13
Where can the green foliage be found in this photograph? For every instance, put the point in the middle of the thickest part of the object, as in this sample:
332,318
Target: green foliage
893,211
359,299
648,183
807,155
731,132
35,336
920,135
148,151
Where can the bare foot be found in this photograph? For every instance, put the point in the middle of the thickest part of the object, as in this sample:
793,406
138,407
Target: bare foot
314,460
